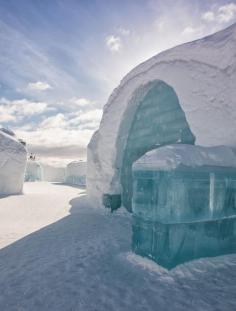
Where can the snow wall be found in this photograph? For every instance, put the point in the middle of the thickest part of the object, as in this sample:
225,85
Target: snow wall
184,95
76,173
13,157
53,173
33,171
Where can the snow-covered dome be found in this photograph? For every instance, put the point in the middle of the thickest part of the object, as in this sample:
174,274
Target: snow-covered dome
33,171
12,164
53,173
184,95
76,173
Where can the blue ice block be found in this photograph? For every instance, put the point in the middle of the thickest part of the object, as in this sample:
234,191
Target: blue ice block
183,212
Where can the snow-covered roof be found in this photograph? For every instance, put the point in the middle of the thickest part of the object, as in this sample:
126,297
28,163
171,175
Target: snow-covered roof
201,73
172,156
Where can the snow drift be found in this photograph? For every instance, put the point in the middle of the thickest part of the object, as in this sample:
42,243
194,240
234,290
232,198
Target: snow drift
183,95
12,164
76,173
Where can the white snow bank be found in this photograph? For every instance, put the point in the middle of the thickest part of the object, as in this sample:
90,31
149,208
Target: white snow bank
76,173
170,157
12,164
201,73
33,171
53,173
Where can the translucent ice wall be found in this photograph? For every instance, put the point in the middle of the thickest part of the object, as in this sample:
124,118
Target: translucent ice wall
184,212
33,171
159,120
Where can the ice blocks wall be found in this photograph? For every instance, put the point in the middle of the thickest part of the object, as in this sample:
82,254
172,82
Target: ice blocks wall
184,213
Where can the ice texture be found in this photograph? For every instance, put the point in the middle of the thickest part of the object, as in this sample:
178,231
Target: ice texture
76,173
12,164
33,171
184,204
201,77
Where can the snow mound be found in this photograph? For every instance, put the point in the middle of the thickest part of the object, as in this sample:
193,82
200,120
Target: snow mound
53,173
183,95
172,156
76,173
33,171
12,164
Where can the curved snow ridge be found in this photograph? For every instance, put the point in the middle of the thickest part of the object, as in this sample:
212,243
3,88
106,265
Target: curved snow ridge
199,51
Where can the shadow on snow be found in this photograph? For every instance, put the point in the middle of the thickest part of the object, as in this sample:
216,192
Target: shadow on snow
81,263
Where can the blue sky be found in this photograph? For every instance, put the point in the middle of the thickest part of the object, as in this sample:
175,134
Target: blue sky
60,59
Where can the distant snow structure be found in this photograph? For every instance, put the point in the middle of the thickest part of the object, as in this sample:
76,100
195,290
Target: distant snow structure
33,171
13,157
184,95
53,173
76,173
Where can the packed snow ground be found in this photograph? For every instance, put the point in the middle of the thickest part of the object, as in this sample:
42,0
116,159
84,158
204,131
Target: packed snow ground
63,255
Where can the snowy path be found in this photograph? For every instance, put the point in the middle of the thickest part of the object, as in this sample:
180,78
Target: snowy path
42,204
82,262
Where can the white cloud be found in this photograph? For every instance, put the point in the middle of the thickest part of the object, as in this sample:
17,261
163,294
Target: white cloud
16,110
56,121
92,115
124,31
208,16
63,129
80,102
222,14
227,12
39,86
113,43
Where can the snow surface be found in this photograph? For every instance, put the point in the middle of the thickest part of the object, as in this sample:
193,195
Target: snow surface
80,260
203,75
171,156
12,164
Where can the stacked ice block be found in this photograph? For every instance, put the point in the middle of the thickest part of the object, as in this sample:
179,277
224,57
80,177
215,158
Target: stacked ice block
184,203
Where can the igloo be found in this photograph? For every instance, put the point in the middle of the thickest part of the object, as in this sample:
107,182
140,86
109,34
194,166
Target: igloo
13,157
76,173
53,173
184,203
33,171
185,95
